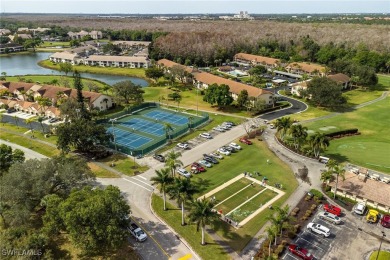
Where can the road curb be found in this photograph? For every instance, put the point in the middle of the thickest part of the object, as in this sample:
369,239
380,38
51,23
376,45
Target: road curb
172,230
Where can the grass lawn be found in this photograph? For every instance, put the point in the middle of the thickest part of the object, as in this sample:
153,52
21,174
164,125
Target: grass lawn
124,164
383,255
47,79
172,216
54,44
140,73
101,172
370,149
239,198
21,130
252,205
231,189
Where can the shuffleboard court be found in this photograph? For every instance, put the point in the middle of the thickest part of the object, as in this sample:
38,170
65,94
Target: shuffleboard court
127,139
144,126
168,117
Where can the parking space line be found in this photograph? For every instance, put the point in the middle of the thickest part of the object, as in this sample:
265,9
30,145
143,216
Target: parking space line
311,243
290,255
317,236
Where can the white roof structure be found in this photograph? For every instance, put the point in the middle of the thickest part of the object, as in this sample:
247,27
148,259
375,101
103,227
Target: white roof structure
278,81
116,58
64,55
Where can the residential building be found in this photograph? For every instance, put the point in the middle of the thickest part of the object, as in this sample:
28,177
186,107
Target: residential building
78,35
296,88
117,61
167,64
341,79
125,45
4,32
310,69
30,92
10,47
84,51
257,60
63,57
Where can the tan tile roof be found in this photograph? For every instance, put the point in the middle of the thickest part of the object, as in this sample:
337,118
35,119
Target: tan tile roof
340,78
307,67
116,58
235,87
368,189
170,64
256,58
131,43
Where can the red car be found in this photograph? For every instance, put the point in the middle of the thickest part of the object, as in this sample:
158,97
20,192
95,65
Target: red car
385,221
245,141
197,169
301,252
332,209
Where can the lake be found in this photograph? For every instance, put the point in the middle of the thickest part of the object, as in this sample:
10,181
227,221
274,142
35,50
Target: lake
25,64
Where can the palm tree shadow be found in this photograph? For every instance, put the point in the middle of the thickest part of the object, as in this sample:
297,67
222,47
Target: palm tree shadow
338,157
202,185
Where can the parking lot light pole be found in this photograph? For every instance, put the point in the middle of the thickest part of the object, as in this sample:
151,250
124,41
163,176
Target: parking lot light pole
113,131
380,245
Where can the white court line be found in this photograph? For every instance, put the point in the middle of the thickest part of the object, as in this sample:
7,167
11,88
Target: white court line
247,201
232,195
311,243
142,181
137,184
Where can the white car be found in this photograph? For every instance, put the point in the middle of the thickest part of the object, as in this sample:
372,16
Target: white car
205,163
206,135
226,127
329,217
219,129
360,208
223,151
216,155
319,229
184,172
183,146
235,146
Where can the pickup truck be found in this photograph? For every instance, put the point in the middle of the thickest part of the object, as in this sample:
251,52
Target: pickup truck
137,232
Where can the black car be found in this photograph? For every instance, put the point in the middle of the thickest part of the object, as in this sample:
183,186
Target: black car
11,110
159,157
210,159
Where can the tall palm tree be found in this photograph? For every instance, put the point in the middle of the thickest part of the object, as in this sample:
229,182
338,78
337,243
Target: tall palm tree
277,222
271,235
299,133
29,122
318,142
202,213
163,179
172,161
182,190
331,164
326,176
338,171
283,215
168,129
282,125
40,120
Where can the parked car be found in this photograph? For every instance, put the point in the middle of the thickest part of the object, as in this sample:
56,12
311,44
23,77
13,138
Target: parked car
206,135
235,146
319,229
359,208
184,146
184,172
332,209
229,148
216,155
11,110
385,221
300,252
197,169
137,232
205,163
230,123
330,217
245,141
159,157
219,129
224,127
223,151
372,216
210,159
53,120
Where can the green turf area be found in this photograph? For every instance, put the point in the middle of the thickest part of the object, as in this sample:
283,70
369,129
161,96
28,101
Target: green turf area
123,164
370,149
231,189
251,206
172,216
54,44
239,198
383,255
140,73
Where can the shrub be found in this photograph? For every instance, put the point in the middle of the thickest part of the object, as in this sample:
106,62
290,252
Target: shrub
313,207
317,193
279,249
307,198
284,242
292,234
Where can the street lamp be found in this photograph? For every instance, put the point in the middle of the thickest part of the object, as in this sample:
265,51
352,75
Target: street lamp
380,245
113,131
197,89
133,154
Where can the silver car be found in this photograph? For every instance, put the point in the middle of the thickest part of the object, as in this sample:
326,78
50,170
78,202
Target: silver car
329,217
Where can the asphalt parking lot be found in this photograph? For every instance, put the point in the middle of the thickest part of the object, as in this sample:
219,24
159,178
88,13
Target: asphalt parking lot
317,244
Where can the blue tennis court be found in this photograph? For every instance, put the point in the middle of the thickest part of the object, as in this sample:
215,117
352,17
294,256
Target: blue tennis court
167,117
127,139
144,126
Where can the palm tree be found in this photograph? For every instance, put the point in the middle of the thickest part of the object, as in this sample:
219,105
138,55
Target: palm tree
202,213
298,132
277,222
282,126
318,142
283,215
29,122
173,162
106,88
163,180
182,190
326,176
271,234
168,128
40,120
338,171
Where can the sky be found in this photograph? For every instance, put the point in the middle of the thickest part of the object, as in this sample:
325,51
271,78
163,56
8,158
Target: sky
193,6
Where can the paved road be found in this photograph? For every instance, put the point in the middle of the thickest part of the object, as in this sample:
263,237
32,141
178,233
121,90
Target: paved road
28,154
